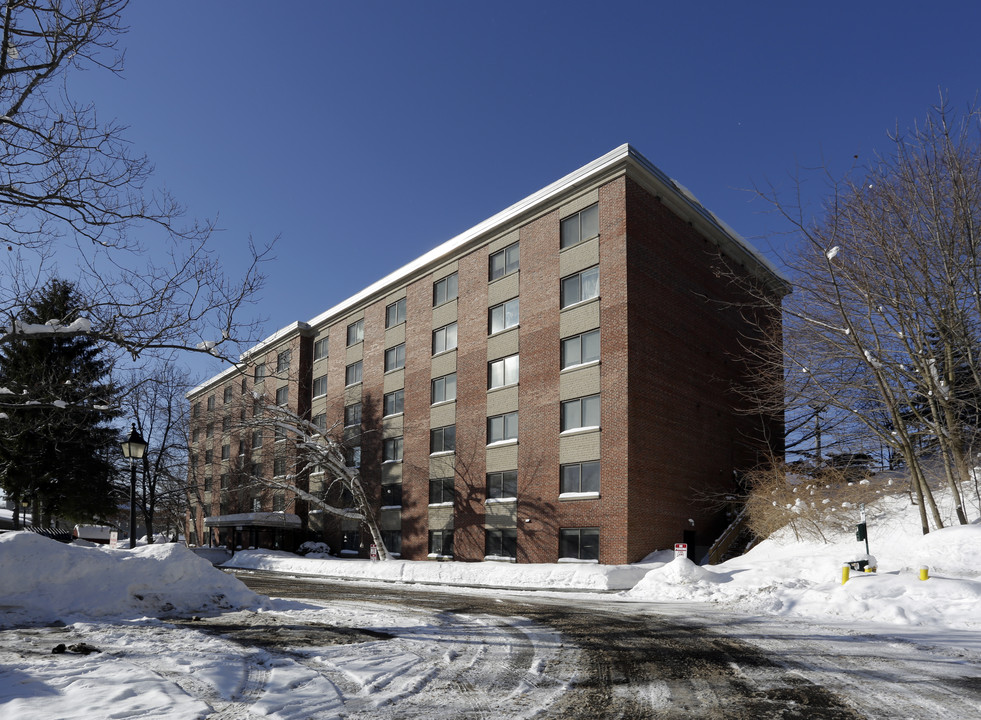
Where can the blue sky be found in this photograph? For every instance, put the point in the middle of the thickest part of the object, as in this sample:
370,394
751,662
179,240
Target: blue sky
365,133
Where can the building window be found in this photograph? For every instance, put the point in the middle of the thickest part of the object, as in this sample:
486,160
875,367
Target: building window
320,349
395,358
352,415
504,262
223,481
444,389
260,372
211,403
283,361
207,483
353,457
582,226
245,386
502,484
194,434
581,349
227,395
257,438
444,338
256,504
501,543
279,433
502,428
502,372
320,386
355,332
580,478
391,495
352,373
503,316
441,491
392,451
579,543
444,290
320,421
226,451
279,501
581,413
209,457
580,287
209,430
441,543
393,541
394,402
283,395
442,439
395,313
226,424
351,541
279,466
256,470
196,410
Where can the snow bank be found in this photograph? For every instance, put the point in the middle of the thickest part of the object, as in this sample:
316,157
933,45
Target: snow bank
563,576
45,581
787,576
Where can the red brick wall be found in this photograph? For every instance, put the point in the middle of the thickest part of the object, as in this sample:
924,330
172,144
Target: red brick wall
685,435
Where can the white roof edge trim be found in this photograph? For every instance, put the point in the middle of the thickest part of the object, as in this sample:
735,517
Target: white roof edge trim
501,218
596,167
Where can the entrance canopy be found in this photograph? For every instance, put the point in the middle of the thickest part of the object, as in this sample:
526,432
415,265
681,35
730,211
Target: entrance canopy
256,519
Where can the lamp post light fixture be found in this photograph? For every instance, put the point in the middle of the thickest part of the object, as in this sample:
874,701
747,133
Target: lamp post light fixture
133,448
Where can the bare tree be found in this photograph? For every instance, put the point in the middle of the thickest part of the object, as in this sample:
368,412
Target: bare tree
156,400
883,329
318,449
73,193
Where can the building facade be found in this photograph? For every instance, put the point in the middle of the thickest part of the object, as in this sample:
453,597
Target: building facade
555,384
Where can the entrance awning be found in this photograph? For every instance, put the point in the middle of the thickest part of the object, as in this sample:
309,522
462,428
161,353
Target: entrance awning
258,519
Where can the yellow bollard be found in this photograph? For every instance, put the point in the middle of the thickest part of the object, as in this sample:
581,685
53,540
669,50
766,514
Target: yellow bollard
924,572
844,573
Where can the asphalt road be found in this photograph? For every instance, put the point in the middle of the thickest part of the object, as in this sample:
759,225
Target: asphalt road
615,662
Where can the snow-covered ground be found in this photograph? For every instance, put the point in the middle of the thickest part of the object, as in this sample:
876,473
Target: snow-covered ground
127,603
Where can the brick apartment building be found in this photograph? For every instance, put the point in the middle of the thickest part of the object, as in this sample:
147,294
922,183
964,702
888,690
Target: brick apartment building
555,383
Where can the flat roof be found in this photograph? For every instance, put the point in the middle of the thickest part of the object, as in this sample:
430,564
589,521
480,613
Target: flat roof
624,155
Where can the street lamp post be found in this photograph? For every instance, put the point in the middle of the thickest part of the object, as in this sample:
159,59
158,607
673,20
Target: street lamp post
133,448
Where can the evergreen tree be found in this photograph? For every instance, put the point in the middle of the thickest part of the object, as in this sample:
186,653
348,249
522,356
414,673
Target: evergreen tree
56,444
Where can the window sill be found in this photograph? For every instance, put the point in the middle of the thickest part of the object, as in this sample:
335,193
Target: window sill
391,507
579,496
443,402
580,430
580,303
317,397
436,556
572,368
500,558
442,453
502,331
503,387
392,462
500,501
354,384
444,352
502,443
441,505
577,561
386,417
578,243
394,370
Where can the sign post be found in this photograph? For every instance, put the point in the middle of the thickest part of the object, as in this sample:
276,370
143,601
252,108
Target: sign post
681,550
374,551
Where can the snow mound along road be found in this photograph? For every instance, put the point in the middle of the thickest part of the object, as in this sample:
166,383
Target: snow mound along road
47,581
